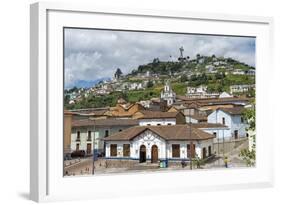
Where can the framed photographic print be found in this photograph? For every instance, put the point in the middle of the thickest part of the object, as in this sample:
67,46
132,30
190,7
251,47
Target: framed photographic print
134,102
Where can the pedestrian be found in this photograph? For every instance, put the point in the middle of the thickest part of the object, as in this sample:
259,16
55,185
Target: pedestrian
183,163
226,162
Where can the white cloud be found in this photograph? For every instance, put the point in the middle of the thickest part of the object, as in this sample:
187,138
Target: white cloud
93,54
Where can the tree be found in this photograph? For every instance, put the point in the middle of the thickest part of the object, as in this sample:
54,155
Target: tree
118,73
183,78
155,61
149,84
249,155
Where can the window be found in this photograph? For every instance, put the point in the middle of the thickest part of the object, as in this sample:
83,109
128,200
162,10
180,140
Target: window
236,134
106,133
189,151
242,120
77,147
158,124
126,150
78,136
169,124
113,150
175,150
148,124
210,150
89,135
223,121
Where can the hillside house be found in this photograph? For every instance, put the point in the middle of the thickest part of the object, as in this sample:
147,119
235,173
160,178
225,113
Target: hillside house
240,88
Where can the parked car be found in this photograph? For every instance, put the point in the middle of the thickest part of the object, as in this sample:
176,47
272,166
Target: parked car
78,153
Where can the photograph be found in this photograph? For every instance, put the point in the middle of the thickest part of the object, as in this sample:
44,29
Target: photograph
149,101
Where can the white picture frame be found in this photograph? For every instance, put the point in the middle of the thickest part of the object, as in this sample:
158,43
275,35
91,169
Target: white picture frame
46,179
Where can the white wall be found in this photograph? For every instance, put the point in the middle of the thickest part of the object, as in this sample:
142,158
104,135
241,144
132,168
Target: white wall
148,139
220,132
154,122
84,140
232,121
189,119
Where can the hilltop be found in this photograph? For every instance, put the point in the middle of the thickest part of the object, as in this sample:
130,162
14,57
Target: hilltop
147,81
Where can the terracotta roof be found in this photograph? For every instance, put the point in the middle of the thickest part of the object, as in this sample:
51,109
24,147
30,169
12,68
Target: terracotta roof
197,117
234,110
104,122
157,114
169,132
208,125
90,111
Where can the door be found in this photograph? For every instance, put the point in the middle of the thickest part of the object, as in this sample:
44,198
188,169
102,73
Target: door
236,134
204,153
89,148
154,154
142,154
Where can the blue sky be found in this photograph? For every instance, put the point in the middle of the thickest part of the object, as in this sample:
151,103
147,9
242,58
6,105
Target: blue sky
92,54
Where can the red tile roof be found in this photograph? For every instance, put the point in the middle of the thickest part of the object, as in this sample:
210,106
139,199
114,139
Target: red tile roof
169,132
233,110
157,114
104,122
208,125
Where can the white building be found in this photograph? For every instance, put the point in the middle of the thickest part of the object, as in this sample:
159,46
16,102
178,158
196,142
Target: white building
238,72
154,143
135,86
219,131
210,68
225,95
232,118
251,72
200,92
240,88
167,94
87,134
197,118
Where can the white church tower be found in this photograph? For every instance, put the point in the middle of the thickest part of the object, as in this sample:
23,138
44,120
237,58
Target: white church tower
167,94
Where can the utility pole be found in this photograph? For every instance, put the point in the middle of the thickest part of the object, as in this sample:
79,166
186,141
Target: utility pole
191,143
223,143
93,169
217,136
